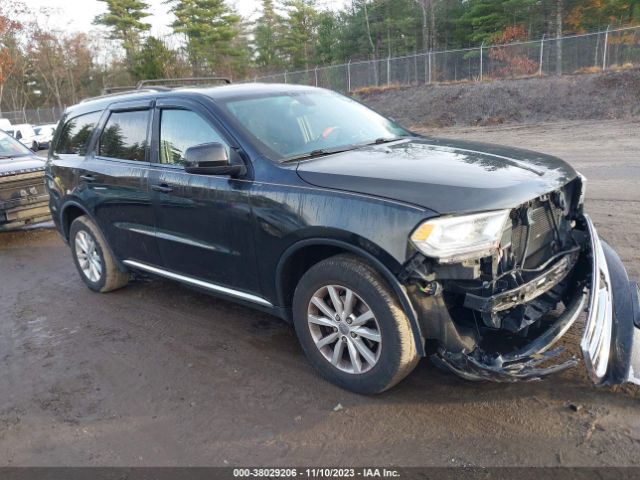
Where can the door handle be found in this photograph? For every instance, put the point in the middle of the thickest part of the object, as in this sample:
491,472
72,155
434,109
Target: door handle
163,187
88,178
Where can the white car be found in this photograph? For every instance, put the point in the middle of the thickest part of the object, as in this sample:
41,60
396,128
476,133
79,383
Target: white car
44,134
25,134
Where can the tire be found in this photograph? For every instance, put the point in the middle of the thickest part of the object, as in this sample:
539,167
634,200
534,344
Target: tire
84,232
394,356
34,147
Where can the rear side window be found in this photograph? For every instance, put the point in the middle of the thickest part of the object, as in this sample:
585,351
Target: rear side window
75,134
125,136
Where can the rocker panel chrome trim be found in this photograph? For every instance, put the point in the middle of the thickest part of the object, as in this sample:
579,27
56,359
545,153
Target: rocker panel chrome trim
199,283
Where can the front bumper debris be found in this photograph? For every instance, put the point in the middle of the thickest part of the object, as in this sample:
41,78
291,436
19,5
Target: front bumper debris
611,340
521,364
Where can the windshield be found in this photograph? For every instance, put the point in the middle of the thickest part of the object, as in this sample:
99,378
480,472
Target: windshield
291,125
9,147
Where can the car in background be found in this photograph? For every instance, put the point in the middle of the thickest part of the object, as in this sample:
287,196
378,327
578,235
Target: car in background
23,197
25,134
44,135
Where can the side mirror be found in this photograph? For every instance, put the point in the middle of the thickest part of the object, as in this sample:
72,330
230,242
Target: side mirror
211,159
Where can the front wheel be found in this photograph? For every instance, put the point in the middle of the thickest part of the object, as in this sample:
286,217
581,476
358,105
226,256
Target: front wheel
351,327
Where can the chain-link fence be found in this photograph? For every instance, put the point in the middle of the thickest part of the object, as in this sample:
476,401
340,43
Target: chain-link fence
35,116
611,49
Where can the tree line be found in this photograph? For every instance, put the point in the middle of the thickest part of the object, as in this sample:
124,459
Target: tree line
43,67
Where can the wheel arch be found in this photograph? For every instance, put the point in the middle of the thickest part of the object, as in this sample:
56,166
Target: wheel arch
68,213
314,250
72,209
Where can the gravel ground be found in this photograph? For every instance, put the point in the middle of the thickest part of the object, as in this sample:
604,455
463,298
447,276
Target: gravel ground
156,374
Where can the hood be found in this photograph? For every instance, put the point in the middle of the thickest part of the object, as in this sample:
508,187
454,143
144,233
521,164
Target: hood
23,164
445,176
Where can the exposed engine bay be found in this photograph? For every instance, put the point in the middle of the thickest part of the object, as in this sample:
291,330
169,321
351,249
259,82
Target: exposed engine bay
497,317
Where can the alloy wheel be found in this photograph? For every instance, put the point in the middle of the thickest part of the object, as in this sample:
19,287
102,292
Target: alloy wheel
344,329
88,256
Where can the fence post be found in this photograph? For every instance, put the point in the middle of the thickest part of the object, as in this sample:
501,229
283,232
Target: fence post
389,70
349,76
541,55
316,74
38,114
429,66
604,51
481,64
285,76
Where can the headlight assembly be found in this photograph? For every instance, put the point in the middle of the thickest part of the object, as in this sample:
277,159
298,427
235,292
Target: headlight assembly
458,238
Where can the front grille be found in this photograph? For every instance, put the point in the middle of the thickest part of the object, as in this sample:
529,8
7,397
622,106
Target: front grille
544,215
21,187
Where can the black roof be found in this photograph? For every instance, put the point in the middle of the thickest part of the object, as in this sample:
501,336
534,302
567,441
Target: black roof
214,93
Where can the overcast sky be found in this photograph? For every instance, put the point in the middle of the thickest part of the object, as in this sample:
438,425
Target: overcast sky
77,15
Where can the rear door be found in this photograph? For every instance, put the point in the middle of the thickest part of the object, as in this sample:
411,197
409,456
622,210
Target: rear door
117,174
203,221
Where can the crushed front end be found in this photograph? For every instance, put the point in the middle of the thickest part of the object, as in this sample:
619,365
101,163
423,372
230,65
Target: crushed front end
23,198
497,317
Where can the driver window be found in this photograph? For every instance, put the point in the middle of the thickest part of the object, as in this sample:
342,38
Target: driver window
181,129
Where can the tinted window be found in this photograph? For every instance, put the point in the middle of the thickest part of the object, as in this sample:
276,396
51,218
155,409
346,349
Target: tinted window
125,136
75,134
181,129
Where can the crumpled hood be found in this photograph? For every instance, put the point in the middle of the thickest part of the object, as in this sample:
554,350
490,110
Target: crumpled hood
445,176
24,164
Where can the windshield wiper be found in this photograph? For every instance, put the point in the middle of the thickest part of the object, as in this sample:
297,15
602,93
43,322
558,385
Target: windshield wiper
379,141
321,152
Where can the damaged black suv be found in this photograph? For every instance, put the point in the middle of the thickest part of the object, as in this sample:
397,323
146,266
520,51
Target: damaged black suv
379,245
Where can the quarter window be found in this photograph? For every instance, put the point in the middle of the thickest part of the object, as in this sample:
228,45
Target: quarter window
75,134
125,136
181,129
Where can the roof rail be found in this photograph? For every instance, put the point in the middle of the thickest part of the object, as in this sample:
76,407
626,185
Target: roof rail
143,85
179,82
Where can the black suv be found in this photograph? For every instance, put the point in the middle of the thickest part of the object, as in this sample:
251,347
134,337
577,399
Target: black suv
379,245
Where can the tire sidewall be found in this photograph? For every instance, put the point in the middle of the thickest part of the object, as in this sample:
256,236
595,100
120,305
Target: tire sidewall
381,375
77,226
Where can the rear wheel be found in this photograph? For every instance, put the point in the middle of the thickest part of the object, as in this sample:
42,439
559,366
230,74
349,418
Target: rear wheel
94,261
351,326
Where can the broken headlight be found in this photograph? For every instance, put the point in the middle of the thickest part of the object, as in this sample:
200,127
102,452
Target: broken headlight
458,238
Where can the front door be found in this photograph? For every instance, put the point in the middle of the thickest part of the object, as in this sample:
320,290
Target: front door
203,222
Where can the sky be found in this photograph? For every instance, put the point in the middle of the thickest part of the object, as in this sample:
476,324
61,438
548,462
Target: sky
77,15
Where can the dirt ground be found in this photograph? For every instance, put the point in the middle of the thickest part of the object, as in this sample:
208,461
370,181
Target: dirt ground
601,96
156,374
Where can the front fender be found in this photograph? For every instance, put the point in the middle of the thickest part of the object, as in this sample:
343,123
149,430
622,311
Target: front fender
391,279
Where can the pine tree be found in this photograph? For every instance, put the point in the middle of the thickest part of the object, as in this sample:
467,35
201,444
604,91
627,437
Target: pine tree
268,33
299,39
153,60
125,20
210,28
